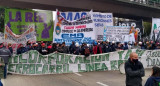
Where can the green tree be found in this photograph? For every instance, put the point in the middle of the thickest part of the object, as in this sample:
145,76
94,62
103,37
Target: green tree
147,28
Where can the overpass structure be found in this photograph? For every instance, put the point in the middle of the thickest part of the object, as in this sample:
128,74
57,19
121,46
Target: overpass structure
131,9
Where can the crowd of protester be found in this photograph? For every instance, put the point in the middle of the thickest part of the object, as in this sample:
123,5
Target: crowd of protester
96,48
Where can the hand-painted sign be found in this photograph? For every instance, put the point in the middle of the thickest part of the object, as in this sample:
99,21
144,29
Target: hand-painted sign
19,21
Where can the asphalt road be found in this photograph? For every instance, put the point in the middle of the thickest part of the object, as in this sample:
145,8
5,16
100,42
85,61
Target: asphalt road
98,78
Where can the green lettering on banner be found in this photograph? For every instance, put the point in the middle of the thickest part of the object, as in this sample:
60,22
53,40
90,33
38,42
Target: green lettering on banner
120,62
97,66
68,71
10,60
86,60
37,67
50,57
92,59
78,59
18,68
45,69
102,57
128,54
64,68
107,56
25,69
33,54
60,60
140,52
113,65
32,69
98,59
59,69
90,67
52,69
21,60
68,59
11,67
120,54
104,67
42,59
79,68
16,58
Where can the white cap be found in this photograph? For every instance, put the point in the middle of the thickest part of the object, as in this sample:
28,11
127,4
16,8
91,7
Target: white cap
77,44
113,42
88,45
140,42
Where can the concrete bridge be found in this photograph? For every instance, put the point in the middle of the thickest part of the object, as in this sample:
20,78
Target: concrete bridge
119,8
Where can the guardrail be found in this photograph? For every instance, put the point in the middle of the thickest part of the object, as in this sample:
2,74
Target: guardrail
153,3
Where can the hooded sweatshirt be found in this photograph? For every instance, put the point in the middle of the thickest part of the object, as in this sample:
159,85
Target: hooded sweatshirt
151,81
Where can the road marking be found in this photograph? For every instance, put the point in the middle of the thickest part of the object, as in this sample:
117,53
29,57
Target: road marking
101,84
78,74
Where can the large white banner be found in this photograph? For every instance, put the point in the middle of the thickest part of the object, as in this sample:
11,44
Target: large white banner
117,34
80,26
74,26
155,32
101,20
33,63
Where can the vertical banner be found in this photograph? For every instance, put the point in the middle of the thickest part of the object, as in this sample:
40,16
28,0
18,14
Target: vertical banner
136,24
101,20
116,33
155,32
74,26
19,21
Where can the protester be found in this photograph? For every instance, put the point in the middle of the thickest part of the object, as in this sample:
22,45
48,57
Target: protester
43,49
49,48
77,49
85,50
97,49
34,46
113,47
63,48
72,47
28,46
134,71
10,48
5,54
125,46
154,79
21,49
120,46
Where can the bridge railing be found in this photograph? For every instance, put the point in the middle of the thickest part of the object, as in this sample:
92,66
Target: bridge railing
154,3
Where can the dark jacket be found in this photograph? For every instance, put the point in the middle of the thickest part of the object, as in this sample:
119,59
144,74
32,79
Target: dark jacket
5,54
21,50
43,51
72,48
34,48
11,50
63,49
83,50
134,72
77,51
97,50
151,81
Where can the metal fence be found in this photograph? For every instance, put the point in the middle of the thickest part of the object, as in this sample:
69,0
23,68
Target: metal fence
153,3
